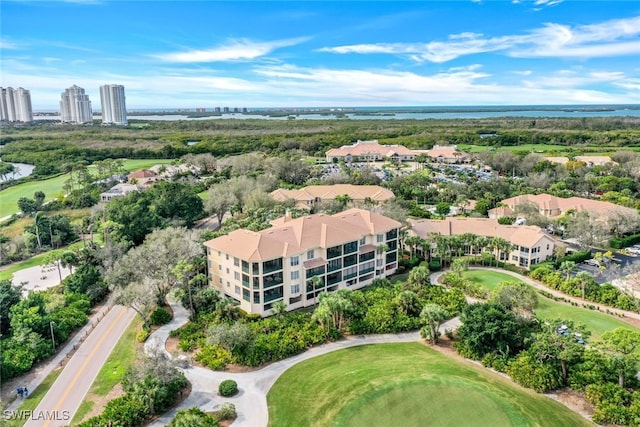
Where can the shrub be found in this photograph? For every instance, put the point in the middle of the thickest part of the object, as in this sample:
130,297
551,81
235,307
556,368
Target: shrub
142,335
193,416
434,265
227,411
214,357
160,317
227,388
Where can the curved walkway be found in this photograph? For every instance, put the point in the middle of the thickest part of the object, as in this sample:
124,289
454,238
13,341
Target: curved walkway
251,401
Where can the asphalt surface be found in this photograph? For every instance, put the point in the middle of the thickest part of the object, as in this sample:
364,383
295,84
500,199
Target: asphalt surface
63,399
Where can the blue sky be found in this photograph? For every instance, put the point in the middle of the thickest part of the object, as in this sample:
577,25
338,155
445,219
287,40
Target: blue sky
191,54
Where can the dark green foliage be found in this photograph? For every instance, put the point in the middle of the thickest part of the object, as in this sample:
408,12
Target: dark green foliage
29,339
9,296
176,201
529,372
623,242
492,328
160,317
88,280
227,388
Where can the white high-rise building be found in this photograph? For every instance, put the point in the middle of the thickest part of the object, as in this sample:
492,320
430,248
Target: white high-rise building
114,108
15,105
75,106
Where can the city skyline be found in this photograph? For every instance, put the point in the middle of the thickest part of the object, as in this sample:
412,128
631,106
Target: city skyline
325,54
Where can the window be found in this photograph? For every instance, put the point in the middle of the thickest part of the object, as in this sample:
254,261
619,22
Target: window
219,253
256,297
236,275
310,254
295,261
514,258
246,295
378,263
547,246
255,268
227,256
363,241
228,284
245,267
237,289
273,265
295,275
219,266
273,294
392,234
295,289
391,257
350,260
272,280
334,264
245,280
236,262
334,251
350,272
380,238
227,271
220,280
350,247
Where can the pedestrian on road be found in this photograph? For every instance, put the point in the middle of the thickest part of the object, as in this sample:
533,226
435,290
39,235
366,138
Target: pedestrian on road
20,392
25,391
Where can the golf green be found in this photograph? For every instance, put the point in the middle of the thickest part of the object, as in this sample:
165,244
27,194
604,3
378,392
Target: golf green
405,384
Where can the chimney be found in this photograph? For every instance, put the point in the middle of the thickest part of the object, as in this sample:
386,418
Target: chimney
287,215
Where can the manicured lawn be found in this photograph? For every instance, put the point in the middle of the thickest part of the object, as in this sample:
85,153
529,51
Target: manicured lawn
52,187
595,321
405,384
112,372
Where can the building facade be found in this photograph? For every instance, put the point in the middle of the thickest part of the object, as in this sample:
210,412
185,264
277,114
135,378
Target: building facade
15,105
114,108
297,259
359,195
75,106
529,245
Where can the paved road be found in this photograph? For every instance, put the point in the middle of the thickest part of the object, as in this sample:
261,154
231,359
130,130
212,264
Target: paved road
64,397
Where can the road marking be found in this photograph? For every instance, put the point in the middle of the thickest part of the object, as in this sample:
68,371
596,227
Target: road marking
123,310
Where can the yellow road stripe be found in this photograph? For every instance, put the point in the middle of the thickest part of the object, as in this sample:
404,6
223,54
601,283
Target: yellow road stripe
123,310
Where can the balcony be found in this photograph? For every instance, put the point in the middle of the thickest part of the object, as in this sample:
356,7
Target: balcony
272,294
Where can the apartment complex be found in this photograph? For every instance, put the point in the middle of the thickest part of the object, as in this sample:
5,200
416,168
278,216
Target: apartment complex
552,206
307,197
529,244
75,106
368,151
15,105
113,105
297,259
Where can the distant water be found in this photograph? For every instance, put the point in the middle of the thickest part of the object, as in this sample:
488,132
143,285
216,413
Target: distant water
21,170
399,113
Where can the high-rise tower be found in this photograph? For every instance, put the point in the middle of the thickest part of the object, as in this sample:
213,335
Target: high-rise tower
15,105
114,108
75,106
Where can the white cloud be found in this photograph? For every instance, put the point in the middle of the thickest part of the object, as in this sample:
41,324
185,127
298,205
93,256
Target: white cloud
7,44
606,39
235,50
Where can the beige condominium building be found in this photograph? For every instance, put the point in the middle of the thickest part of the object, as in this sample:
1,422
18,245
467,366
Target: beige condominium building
529,244
307,197
297,259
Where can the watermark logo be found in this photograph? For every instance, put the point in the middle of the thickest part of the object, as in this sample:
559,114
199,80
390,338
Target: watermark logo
25,415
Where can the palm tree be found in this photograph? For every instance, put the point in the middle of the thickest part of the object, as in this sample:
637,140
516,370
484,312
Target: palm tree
481,243
408,303
412,242
419,277
583,279
568,267
433,315
425,246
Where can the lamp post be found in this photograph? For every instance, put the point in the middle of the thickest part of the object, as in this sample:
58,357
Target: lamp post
53,340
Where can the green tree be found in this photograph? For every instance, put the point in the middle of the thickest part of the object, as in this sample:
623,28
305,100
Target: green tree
9,296
442,209
516,296
193,417
432,316
409,303
622,348
419,277
567,268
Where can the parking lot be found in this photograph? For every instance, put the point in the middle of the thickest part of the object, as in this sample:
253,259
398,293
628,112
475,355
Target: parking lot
622,264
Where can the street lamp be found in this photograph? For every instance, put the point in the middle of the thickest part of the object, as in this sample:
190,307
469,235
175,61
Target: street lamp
53,341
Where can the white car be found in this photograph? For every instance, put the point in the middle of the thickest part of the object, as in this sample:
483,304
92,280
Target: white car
634,250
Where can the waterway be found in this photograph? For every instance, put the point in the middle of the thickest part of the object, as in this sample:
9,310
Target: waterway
399,113
20,170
